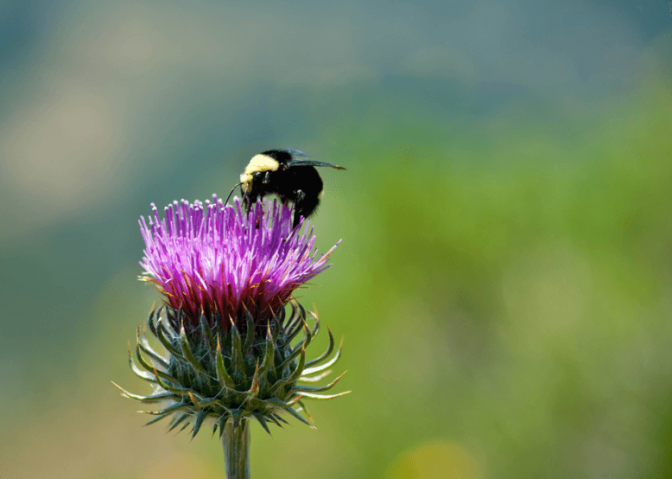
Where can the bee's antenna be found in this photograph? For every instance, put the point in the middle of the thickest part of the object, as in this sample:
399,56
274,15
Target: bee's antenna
231,192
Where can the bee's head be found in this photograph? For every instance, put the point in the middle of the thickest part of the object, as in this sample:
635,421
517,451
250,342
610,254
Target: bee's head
258,165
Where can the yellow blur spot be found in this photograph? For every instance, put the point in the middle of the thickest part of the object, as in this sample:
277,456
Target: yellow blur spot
440,460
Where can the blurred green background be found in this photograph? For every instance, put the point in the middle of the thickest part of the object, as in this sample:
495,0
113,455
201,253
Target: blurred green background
504,279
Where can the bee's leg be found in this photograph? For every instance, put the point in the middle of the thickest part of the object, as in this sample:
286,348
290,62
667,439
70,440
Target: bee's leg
304,206
299,198
249,199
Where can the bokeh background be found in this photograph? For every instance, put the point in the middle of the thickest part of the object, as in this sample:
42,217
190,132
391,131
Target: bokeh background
504,280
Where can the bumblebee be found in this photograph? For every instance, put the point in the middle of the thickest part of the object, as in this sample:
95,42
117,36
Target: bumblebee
290,174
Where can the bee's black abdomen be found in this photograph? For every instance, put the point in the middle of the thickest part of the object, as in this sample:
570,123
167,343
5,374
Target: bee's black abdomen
302,185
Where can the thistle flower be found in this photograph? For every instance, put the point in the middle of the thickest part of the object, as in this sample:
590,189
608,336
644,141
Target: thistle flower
229,325
213,262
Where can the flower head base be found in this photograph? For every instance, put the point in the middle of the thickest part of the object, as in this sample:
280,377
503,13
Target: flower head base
223,263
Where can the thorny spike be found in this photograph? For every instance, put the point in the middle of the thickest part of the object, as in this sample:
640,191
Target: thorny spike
305,409
277,417
147,366
260,420
294,376
249,336
316,328
202,403
325,354
312,389
254,388
207,331
289,359
156,419
314,379
199,421
186,425
222,374
296,325
144,345
324,398
225,376
186,352
237,360
222,423
180,391
138,372
293,321
178,421
166,344
150,319
170,409
308,335
154,398
271,417
282,404
317,369
268,355
298,416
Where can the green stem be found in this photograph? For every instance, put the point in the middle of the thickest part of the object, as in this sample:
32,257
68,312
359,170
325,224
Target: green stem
236,442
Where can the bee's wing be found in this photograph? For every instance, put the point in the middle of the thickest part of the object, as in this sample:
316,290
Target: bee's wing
313,163
296,153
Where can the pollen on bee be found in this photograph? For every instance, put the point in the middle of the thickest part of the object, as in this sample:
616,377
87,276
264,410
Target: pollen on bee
261,163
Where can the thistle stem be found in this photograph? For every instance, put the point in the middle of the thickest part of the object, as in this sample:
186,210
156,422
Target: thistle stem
236,442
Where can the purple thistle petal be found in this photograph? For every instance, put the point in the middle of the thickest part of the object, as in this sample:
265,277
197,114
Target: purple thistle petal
218,259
